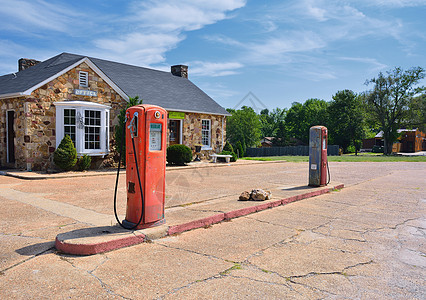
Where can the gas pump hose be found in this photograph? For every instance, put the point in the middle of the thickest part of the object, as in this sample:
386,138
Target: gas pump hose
328,170
139,179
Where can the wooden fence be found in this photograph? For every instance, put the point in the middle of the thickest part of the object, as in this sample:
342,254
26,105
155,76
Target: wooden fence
289,150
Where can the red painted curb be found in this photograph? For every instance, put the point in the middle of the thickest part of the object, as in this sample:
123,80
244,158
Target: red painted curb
90,249
240,212
196,224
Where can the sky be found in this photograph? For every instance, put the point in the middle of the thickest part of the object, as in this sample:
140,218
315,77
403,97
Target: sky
264,54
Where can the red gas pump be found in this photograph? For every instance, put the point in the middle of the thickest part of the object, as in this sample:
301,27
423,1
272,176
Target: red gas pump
318,165
145,132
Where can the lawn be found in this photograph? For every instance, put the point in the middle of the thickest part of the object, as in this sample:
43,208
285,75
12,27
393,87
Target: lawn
373,157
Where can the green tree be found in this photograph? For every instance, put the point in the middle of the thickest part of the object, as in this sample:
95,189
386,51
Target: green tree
301,117
417,113
390,100
270,121
243,126
346,120
121,123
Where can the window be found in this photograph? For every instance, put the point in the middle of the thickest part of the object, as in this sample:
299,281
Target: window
69,123
205,134
86,123
92,129
83,79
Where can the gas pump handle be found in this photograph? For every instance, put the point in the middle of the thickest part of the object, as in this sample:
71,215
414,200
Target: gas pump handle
132,126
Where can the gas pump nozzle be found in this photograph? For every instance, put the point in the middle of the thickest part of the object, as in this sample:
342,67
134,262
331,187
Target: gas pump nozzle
133,125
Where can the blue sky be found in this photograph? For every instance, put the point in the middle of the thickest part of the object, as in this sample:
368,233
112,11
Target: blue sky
280,51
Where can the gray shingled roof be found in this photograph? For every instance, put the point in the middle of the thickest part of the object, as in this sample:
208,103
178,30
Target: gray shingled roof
153,86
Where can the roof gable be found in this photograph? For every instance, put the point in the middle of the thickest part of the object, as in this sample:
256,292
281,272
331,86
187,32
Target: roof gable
152,86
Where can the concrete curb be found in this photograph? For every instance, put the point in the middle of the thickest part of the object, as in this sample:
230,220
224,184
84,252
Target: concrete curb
27,175
81,242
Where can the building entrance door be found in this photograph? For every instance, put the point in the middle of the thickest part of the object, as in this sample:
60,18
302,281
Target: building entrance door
10,115
174,127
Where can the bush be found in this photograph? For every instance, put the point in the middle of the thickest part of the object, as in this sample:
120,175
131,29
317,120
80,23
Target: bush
239,148
84,162
228,147
350,149
65,156
377,149
234,156
179,155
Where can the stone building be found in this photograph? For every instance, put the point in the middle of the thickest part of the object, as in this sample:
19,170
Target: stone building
82,96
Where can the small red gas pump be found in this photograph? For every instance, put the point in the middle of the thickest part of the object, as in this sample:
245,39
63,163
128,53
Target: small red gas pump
145,132
318,165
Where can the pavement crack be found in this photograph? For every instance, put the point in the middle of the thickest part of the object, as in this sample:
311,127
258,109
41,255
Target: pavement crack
2,272
106,287
187,250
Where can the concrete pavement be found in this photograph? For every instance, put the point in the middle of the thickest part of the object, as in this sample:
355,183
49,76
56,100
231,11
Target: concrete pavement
365,241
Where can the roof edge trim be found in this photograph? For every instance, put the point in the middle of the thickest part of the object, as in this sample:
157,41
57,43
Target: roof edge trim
91,65
197,112
11,95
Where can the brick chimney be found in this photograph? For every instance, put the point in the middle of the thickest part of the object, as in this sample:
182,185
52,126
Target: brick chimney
180,71
25,63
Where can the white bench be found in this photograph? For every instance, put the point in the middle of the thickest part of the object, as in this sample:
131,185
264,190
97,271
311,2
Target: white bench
226,156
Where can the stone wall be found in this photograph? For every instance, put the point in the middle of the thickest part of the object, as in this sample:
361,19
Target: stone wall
35,142
17,105
191,131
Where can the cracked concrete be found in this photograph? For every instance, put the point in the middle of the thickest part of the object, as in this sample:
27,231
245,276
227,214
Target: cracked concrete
366,241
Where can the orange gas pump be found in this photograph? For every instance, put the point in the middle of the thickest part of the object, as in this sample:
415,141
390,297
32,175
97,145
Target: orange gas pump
318,164
145,132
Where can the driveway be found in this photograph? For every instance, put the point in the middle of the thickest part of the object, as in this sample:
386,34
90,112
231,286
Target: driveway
364,241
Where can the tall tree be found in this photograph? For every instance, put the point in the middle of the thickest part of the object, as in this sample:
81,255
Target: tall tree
270,121
301,117
390,100
243,126
346,120
417,113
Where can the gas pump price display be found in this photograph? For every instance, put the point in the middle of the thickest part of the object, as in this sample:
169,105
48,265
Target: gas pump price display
155,136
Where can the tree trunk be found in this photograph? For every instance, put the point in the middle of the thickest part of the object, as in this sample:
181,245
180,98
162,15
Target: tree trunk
387,146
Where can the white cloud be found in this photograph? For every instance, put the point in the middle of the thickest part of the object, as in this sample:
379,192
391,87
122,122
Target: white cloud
212,69
30,16
137,48
181,15
374,65
394,3
159,26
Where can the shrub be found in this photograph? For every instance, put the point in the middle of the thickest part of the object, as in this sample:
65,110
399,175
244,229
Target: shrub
65,156
179,155
228,147
84,162
234,156
377,149
239,149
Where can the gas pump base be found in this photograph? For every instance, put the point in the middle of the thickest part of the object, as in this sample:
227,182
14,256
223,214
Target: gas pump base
143,225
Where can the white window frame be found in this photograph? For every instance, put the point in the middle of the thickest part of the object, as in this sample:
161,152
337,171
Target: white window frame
80,107
83,79
209,131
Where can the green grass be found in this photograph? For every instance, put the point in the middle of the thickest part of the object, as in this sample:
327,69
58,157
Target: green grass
364,157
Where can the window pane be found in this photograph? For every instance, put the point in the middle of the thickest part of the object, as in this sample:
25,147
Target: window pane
205,132
92,130
69,123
